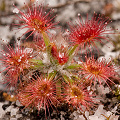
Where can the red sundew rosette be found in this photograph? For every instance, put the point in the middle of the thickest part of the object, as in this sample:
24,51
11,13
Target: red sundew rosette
15,62
98,70
39,93
36,20
85,34
79,97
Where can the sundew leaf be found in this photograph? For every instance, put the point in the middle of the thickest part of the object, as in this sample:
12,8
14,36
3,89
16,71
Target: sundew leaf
67,79
52,59
46,39
72,50
71,78
52,75
36,63
74,66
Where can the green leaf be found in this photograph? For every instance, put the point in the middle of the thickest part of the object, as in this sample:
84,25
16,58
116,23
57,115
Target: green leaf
35,63
75,77
52,75
72,50
74,66
58,88
46,39
67,79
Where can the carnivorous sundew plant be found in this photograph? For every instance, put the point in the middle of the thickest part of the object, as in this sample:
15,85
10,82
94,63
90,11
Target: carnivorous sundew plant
86,33
46,74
